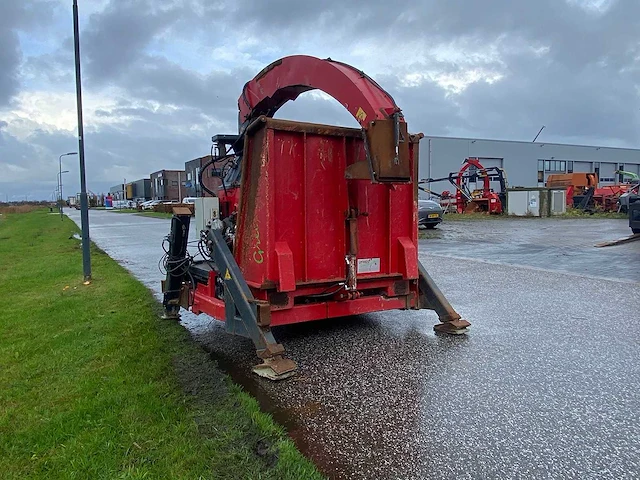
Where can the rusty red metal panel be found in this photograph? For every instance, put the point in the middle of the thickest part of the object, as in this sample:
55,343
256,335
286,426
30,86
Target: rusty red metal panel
306,313
296,220
286,275
326,203
295,177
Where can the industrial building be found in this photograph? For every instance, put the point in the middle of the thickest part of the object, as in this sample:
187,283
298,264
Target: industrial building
168,185
117,192
192,170
526,164
139,190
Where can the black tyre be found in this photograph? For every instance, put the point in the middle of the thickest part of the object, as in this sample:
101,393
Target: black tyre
431,226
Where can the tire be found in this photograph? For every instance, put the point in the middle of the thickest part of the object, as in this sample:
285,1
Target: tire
431,226
634,230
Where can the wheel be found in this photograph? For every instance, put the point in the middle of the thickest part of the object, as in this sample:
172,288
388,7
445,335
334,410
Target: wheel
635,230
431,226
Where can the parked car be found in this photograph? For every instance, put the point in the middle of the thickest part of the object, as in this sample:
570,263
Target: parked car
189,200
149,205
429,213
123,204
623,200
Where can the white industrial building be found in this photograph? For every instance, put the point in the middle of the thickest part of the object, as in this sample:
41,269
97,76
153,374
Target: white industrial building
526,164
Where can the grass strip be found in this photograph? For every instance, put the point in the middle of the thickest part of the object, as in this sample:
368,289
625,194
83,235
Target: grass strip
94,385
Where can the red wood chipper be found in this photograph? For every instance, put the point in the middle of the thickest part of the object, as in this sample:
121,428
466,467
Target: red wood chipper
466,199
310,221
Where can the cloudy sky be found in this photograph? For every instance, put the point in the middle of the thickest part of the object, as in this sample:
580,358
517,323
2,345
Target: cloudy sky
161,76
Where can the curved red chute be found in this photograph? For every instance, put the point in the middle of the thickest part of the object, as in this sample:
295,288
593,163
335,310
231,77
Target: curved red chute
288,77
470,162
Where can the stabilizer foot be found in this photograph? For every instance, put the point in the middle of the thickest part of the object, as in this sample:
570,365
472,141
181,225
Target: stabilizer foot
276,368
454,327
170,315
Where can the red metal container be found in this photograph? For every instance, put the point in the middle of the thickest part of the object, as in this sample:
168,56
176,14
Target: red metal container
300,218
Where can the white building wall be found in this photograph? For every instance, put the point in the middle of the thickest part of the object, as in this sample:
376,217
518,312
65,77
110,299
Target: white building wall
441,155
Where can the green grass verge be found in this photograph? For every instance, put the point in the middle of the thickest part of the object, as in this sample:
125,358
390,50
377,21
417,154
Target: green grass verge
93,385
155,214
577,213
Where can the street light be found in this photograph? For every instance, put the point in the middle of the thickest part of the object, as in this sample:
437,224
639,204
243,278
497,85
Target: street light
59,189
60,176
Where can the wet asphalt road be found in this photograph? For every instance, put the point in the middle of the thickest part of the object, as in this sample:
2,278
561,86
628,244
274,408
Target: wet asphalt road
545,385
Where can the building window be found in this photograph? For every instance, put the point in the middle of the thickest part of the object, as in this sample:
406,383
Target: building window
569,167
553,165
188,176
174,183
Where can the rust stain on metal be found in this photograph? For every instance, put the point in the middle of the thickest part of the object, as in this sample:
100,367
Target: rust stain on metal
388,165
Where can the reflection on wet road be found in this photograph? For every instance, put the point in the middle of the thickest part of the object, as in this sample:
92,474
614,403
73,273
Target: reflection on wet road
564,245
545,385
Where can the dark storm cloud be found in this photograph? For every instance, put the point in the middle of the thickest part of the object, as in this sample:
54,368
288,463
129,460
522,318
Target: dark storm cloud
115,38
156,78
111,150
574,69
9,61
550,62
592,107
15,16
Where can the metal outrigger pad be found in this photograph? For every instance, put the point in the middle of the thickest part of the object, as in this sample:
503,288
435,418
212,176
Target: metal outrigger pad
432,298
276,368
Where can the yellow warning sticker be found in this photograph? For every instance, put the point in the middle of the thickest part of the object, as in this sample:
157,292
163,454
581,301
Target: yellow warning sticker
361,114
227,276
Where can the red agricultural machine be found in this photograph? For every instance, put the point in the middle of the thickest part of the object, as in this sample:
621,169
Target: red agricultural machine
471,200
314,221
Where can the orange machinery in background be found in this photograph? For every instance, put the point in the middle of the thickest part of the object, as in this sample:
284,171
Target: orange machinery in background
583,190
574,183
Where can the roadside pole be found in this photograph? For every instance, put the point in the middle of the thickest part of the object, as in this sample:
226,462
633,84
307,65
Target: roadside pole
84,204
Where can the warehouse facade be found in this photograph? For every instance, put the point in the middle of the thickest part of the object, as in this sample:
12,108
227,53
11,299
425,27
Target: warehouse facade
210,177
168,185
526,164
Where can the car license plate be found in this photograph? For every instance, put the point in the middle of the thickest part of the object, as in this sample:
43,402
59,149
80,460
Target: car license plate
433,215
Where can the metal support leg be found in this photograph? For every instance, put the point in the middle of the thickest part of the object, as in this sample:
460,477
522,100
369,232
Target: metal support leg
176,269
432,298
246,314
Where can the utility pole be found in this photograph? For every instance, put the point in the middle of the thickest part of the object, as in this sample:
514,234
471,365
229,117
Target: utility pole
84,204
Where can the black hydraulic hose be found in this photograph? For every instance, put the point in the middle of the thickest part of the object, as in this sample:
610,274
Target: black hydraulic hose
204,168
